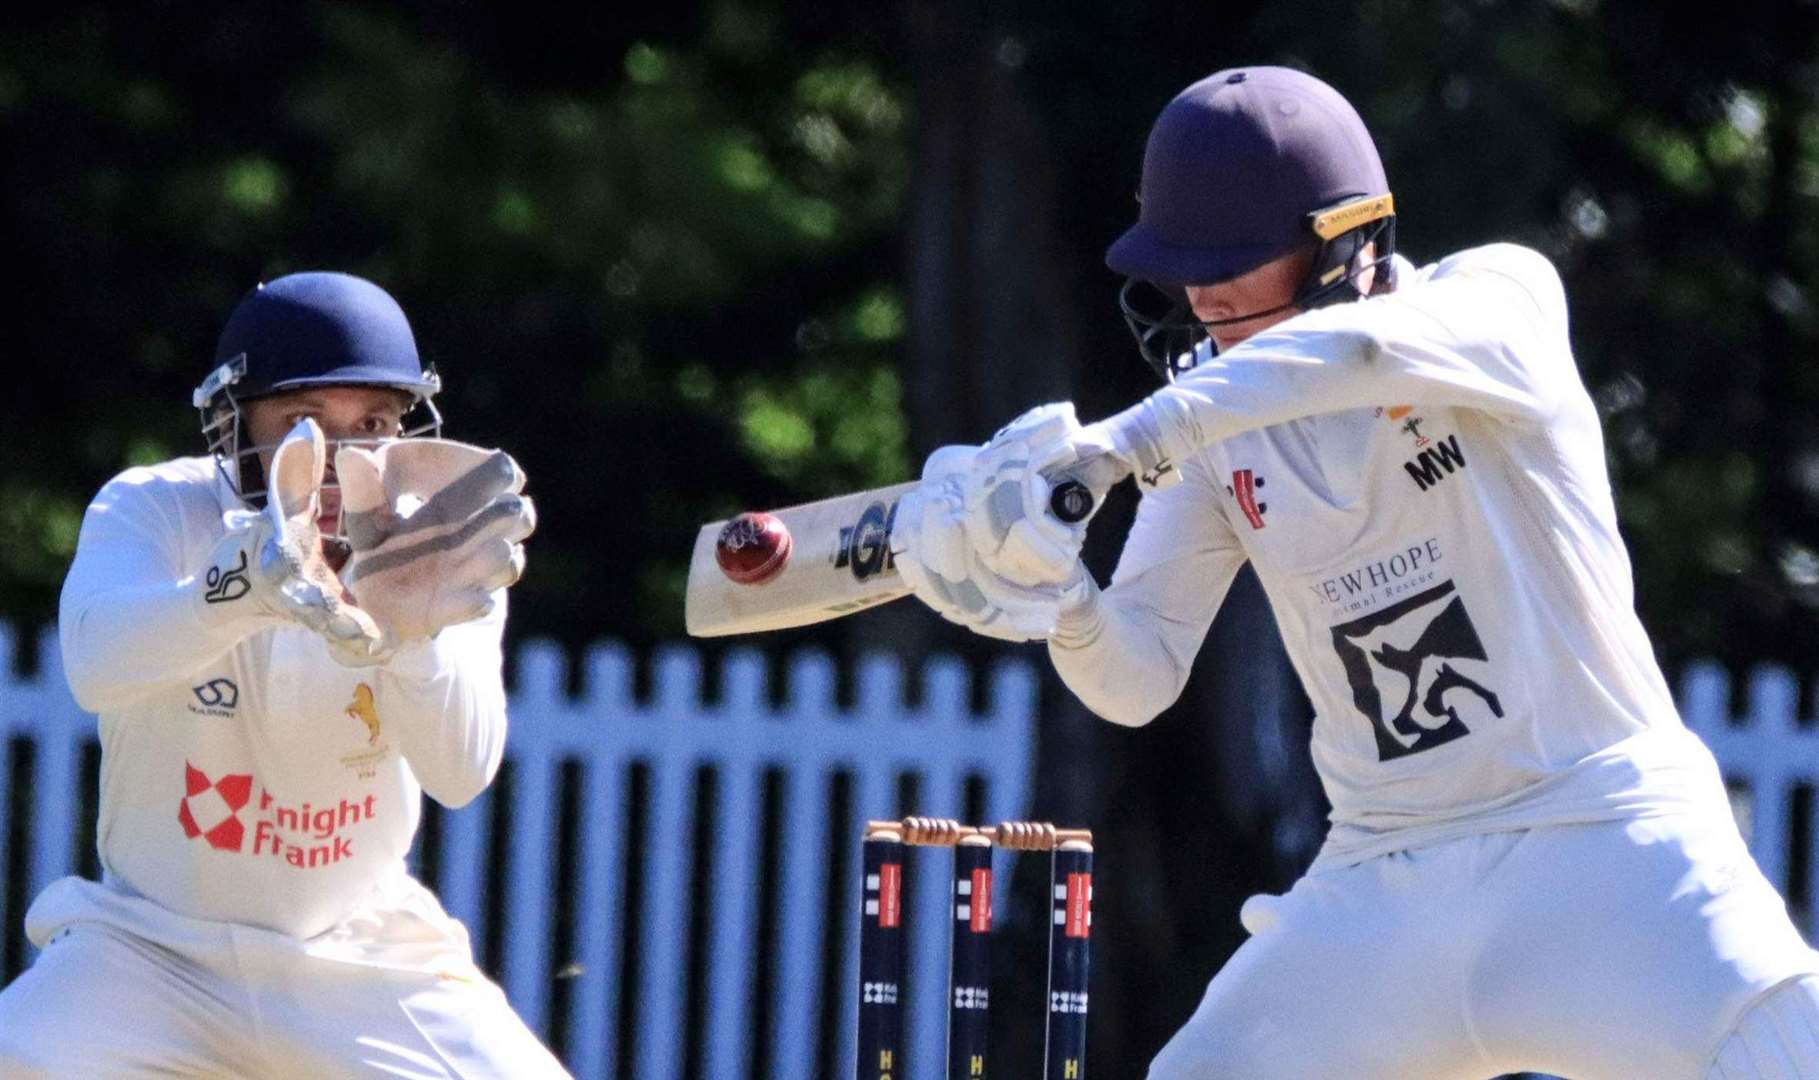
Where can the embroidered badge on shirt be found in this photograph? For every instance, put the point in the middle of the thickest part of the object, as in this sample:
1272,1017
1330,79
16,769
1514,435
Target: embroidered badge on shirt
365,763
1435,460
363,710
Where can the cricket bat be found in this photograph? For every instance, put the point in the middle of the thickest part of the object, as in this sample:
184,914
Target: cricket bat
809,563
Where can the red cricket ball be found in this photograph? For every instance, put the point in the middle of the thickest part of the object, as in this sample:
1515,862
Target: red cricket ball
752,548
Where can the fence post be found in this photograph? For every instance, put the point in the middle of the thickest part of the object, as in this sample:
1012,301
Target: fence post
805,877
538,712
1767,755
737,877
62,729
668,860
599,908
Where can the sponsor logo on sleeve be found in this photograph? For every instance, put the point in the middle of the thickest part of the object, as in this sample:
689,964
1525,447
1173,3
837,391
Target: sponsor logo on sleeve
227,583
1153,476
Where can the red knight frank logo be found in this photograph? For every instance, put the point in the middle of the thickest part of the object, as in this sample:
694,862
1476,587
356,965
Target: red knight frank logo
210,808
306,835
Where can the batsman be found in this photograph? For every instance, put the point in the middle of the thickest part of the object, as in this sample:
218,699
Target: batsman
1532,863
288,641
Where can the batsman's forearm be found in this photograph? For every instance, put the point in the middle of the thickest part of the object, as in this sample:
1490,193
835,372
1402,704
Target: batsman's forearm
1114,664
1487,333
1126,651
1274,378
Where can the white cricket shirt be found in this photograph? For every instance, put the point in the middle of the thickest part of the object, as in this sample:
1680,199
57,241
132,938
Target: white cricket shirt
1419,481
246,776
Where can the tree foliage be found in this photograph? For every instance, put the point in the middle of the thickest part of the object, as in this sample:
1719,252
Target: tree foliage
662,256
664,283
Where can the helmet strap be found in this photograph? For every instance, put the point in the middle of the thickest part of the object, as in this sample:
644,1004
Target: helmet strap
1333,277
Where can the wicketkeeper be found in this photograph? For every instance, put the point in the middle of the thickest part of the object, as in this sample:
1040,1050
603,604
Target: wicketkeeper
288,641
1532,864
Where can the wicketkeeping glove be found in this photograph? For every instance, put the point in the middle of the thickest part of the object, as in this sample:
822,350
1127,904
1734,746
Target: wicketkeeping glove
436,527
272,560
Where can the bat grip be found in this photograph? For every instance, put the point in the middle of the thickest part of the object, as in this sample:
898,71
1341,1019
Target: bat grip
1071,502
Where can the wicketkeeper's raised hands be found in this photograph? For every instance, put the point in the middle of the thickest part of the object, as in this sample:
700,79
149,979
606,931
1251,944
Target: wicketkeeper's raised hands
272,560
436,527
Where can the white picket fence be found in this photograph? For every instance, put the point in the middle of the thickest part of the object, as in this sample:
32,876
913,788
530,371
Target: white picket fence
608,735
668,739
1767,754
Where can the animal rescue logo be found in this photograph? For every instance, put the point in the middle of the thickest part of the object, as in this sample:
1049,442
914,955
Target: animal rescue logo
1416,670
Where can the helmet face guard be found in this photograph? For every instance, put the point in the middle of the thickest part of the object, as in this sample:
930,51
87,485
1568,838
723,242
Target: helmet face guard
1170,337
238,458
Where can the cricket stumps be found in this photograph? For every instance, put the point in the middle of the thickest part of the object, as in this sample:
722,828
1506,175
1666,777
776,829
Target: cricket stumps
881,943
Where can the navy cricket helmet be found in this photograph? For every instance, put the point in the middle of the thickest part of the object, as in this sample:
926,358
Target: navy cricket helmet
1241,168
318,328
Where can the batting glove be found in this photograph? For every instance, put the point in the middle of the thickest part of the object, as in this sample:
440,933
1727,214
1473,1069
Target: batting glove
1008,517
941,562
436,528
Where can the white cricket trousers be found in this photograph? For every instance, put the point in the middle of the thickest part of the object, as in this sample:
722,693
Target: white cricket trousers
102,1002
1624,950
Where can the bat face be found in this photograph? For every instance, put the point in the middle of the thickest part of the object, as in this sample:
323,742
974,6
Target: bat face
836,557
839,562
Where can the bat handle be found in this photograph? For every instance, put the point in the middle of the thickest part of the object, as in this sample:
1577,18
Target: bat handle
1071,502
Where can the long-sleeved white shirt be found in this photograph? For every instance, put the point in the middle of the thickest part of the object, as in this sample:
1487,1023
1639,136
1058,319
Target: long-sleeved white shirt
246,776
1419,481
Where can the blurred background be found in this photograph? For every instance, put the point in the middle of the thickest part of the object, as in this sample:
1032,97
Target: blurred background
700,257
